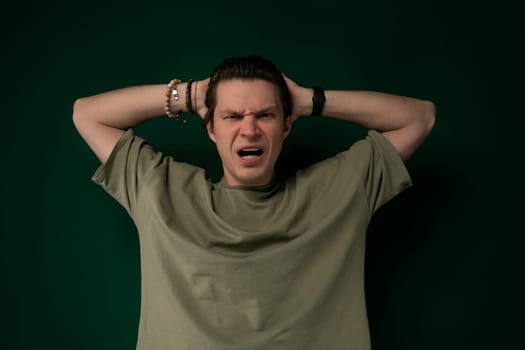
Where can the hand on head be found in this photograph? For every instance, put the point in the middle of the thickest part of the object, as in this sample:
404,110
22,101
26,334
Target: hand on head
201,86
299,96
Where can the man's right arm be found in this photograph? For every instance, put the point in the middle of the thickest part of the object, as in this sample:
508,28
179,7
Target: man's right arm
102,119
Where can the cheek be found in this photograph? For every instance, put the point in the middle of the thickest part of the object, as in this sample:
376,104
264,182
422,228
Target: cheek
223,144
277,146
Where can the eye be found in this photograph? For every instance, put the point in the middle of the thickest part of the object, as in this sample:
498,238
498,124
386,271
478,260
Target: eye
266,115
231,116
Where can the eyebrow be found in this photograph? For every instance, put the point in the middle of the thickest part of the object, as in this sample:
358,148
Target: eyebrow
271,108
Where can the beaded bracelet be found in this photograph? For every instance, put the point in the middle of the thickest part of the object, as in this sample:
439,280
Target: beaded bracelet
172,91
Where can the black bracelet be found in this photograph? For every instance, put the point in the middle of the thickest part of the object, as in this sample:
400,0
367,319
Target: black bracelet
318,100
189,107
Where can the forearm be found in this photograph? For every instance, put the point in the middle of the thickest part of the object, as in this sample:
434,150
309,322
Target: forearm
127,107
101,119
372,110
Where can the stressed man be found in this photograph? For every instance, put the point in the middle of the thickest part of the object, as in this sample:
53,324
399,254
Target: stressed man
254,261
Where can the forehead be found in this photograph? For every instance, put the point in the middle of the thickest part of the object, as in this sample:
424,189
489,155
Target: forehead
246,95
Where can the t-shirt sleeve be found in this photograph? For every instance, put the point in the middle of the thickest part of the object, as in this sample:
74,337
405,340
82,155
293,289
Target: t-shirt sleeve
380,167
128,165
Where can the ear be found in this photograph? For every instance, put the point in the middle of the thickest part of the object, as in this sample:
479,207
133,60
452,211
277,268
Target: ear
288,125
211,133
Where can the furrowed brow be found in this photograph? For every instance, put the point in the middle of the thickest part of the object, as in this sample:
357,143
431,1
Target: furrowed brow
271,108
229,112
267,109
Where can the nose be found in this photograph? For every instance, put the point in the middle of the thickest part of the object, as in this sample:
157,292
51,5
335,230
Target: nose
249,126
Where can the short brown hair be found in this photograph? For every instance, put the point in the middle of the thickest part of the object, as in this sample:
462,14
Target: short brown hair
247,68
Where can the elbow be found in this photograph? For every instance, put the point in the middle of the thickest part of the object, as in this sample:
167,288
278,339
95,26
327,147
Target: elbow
428,116
415,134
79,112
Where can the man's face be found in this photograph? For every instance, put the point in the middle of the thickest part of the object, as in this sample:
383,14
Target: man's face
248,130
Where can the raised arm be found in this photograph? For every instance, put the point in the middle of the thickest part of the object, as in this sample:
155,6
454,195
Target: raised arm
102,119
404,121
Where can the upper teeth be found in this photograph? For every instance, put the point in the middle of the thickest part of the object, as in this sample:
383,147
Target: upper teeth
250,149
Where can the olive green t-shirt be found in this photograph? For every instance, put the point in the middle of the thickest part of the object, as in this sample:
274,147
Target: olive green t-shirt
273,267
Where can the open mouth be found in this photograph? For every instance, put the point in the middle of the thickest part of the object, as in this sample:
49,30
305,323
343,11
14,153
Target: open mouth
250,153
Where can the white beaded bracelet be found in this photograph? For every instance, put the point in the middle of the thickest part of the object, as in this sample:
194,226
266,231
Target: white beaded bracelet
172,91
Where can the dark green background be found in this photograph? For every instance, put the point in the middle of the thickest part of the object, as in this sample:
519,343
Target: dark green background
444,261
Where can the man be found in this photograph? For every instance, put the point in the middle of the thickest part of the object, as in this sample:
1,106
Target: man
254,261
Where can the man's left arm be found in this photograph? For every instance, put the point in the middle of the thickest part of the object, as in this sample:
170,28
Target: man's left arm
404,121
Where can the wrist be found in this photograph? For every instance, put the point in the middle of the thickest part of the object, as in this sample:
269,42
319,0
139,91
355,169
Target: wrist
318,101
302,101
201,87
179,104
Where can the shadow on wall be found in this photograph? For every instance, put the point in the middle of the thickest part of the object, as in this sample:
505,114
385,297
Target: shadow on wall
403,257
